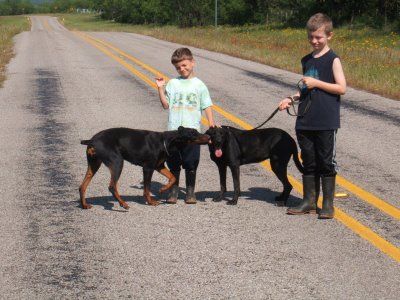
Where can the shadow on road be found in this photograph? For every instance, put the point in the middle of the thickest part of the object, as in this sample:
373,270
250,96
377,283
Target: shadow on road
252,194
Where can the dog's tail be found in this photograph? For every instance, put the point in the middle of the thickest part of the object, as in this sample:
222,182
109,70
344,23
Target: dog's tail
86,142
297,160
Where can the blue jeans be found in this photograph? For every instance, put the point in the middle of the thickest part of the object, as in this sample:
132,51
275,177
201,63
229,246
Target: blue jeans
188,158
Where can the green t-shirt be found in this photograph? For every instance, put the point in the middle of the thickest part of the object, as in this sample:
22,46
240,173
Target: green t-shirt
187,98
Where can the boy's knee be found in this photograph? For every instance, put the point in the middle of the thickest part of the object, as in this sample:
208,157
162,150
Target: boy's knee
328,174
327,171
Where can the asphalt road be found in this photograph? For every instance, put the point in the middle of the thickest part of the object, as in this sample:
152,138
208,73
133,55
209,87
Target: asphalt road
62,89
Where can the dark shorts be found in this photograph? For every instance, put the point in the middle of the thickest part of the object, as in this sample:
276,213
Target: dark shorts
188,158
318,151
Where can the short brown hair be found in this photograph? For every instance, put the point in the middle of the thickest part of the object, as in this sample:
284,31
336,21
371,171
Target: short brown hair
319,20
181,54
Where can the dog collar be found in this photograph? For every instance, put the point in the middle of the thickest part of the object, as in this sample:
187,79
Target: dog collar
165,147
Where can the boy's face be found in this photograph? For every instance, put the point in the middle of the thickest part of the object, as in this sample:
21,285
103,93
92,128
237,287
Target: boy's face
185,68
318,39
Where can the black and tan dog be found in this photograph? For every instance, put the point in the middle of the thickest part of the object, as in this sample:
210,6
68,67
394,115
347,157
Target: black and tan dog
148,149
232,147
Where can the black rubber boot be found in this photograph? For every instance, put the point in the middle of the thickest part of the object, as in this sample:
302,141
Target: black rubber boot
190,185
173,195
310,197
328,193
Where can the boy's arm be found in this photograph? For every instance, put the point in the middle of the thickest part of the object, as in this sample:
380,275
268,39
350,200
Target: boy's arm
209,115
338,88
161,93
206,104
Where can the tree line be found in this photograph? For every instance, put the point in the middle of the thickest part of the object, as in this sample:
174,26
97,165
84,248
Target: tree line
187,13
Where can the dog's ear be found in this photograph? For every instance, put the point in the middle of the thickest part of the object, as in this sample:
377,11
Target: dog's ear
184,132
225,130
211,130
187,133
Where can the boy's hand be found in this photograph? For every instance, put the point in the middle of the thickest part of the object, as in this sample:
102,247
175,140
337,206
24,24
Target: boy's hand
160,82
310,82
285,103
210,125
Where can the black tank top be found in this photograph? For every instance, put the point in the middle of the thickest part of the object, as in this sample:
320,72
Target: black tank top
323,113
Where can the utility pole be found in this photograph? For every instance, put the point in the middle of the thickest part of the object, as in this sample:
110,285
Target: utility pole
216,13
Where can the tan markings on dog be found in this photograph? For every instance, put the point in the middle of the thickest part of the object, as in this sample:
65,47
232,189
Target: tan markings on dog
91,151
171,179
112,187
149,199
91,170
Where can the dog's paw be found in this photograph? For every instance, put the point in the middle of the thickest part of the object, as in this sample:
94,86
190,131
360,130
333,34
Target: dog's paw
280,201
217,199
153,202
124,205
87,206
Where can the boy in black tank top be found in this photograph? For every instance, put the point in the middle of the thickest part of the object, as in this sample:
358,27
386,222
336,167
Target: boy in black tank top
319,118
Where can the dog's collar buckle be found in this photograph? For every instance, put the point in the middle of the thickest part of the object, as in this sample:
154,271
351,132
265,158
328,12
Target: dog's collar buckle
165,147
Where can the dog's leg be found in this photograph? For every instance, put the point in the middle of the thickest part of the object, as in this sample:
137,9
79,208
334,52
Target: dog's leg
171,179
236,184
93,165
222,182
115,170
147,174
279,167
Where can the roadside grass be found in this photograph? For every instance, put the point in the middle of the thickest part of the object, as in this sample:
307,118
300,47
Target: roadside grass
370,58
9,27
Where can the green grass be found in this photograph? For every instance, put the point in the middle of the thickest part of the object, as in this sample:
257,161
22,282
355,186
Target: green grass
9,27
370,58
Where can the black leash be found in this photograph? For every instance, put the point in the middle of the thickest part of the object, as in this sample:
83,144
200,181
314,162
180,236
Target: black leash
303,91
269,118
302,88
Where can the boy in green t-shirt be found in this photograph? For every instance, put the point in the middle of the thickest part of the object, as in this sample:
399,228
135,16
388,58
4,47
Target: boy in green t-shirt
186,97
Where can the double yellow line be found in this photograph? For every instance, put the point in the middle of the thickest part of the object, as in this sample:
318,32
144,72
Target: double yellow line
348,221
46,24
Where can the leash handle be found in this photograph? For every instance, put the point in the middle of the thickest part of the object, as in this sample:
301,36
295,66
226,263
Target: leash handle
302,87
292,100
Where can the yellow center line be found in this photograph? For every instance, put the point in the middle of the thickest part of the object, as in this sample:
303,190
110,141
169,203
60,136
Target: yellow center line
368,197
121,61
126,55
357,227
46,24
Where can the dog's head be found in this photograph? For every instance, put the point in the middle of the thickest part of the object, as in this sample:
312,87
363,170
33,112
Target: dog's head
191,136
217,140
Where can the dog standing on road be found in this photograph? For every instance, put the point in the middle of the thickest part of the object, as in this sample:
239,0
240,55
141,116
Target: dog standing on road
148,149
232,147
